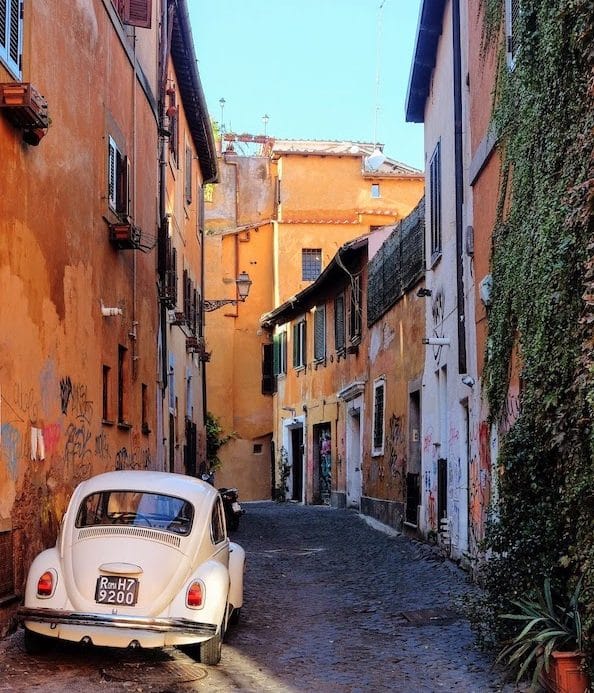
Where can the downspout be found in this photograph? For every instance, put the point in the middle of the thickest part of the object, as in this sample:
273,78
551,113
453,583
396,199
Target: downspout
459,184
201,335
163,220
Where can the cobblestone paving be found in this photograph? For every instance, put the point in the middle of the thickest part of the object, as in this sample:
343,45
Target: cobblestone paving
332,605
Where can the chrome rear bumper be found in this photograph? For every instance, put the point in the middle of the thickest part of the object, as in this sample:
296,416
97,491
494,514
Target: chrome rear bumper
154,625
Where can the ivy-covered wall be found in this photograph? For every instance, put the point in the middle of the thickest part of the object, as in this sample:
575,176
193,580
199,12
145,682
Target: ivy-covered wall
543,305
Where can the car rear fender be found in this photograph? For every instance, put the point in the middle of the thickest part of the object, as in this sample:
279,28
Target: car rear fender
214,576
46,560
236,568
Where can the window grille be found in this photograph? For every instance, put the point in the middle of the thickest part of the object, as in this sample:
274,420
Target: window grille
435,202
6,564
311,264
378,417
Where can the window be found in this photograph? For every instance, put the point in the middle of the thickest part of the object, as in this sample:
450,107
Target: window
188,176
512,15
134,12
268,375
106,388
311,264
355,310
435,202
339,331
217,528
117,180
378,416
299,344
258,448
11,35
320,333
375,190
280,353
172,115
122,353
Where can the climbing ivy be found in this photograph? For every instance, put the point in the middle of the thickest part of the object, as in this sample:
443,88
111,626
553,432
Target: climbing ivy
543,304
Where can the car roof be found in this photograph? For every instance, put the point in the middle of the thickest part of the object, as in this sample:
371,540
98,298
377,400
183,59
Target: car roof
179,485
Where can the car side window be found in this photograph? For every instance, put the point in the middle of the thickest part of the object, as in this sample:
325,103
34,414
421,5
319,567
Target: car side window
217,524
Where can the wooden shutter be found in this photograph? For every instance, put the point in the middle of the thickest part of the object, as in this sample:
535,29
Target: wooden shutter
111,174
11,34
268,379
339,332
121,174
320,333
137,13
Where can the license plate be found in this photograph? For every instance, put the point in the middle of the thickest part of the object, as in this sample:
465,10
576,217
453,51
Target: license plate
116,590
236,507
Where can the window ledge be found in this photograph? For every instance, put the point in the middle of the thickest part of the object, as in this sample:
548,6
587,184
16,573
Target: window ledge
107,422
145,429
435,259
124,425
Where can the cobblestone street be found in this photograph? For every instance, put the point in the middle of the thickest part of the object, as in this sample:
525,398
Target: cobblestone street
332,604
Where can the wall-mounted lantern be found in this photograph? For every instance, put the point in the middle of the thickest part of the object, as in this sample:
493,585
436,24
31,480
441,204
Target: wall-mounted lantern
243,283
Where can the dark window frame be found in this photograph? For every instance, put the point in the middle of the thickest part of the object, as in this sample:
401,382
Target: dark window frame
435,221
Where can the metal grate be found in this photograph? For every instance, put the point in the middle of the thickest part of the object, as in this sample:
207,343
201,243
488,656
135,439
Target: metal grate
397,265
6,565
140,532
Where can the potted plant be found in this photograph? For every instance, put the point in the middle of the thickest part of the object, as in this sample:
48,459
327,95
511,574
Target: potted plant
550,642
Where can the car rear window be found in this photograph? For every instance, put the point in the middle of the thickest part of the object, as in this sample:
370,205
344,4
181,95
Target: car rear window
137,508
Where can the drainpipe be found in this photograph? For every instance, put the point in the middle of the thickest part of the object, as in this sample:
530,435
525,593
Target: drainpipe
459,184
165,39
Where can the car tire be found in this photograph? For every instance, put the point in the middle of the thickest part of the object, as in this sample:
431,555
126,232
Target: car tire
210,650
35,643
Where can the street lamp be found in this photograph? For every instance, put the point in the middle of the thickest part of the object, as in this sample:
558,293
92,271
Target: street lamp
243,283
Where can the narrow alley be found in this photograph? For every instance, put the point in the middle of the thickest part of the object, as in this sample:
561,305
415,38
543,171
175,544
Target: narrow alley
331,604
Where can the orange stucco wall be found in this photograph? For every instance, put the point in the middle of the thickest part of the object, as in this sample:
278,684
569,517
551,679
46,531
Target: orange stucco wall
56,268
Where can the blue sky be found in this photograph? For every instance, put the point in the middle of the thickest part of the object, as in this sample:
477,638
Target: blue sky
312,66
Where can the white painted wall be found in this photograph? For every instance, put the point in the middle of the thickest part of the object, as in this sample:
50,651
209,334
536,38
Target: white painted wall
448,405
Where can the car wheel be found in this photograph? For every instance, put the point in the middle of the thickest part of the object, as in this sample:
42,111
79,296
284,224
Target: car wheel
35,643
234,618
210,650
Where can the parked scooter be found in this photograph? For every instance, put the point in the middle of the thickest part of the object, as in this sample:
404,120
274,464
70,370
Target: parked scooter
233,510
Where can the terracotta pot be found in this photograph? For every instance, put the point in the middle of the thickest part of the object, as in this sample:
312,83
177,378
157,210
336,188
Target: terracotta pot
565,674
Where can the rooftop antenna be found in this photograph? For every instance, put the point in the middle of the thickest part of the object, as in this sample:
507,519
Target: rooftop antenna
265,119
377,157
222,128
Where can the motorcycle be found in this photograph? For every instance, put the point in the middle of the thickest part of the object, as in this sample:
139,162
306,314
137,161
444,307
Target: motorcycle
233,510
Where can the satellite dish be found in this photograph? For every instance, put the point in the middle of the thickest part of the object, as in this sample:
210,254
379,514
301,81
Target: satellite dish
375,159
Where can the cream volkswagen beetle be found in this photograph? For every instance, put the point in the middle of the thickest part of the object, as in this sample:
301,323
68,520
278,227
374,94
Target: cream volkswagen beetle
142,560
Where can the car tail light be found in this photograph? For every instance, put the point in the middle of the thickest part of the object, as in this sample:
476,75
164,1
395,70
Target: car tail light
195,595
46,584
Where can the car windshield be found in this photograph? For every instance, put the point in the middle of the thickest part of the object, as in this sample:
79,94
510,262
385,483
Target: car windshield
138,508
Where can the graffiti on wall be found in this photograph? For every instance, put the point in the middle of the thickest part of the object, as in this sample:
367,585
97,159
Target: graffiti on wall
396,454
480,486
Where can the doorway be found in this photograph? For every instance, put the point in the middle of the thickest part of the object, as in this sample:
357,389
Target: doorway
297,464
354,476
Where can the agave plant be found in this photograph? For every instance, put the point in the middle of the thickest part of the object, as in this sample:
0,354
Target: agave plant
548,626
